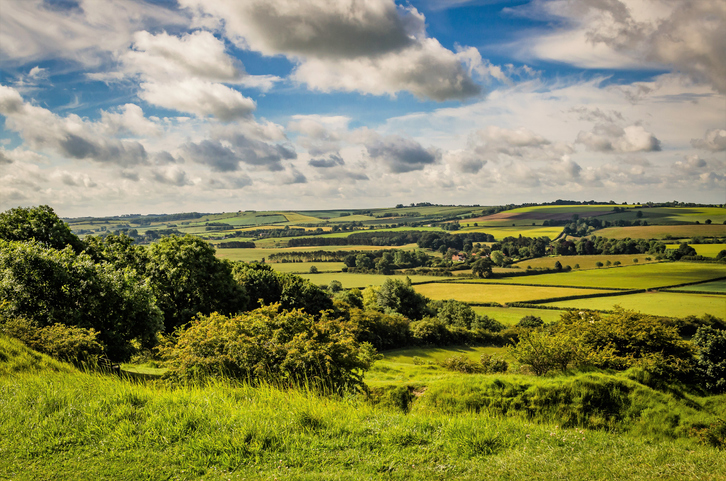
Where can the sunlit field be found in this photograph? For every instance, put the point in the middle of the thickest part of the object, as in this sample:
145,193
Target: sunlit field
662,232
670,304
484,293
585,262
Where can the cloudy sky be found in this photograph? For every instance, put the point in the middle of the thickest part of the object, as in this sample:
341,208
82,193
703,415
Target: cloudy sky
128,106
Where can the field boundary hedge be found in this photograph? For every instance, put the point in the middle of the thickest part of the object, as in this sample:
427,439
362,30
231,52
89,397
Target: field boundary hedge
456,281
585,296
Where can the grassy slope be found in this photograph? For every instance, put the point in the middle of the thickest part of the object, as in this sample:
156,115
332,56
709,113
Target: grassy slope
84,426
662,231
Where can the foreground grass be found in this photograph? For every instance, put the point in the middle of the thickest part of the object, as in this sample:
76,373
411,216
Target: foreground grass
63,424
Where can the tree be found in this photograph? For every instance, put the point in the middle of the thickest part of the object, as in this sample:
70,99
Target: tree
599,264
398,296
49,286
482,268
497,258
40,224
187,278
313,270
708,221
711,357
455,313
558,266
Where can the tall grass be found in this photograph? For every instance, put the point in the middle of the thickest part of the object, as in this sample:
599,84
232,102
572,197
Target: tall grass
70,425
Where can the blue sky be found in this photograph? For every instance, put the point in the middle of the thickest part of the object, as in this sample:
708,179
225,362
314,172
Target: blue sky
124,106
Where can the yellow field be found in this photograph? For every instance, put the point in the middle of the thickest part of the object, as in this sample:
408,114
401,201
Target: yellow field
301,218
304,267
509,316
481,293
657,303
662,231
501,232
585,262
708,250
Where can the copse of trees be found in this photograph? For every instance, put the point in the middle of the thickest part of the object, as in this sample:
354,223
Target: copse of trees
40,224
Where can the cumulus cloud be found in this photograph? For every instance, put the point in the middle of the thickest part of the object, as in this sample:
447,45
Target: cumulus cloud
689,36
714,140
371,47
199,97
226,155
692,164
70,136
75,179
613,138
464,161
333,160
401,154
129,118
295,177
173,175
229,182
87,33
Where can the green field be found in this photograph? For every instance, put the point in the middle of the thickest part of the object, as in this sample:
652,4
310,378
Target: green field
500,233
257,254
585,262
351,280
304,267
483,293
509,316
715,286
708,250
657,303
662,232
646,276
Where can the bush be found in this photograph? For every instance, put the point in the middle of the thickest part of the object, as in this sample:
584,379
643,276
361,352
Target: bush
711,357
429,331
462,364
287,347
530,322
383,331
72,344
493,364
545,352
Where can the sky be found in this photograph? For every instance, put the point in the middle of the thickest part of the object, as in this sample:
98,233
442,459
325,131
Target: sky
112,107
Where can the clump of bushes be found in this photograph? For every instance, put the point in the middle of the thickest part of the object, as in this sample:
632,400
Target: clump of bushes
270,344
462,364
493,364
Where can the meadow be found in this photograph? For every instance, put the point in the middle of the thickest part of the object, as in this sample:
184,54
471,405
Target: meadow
585,262
669,304
510,316
87,426
500,232
708,250
352,280
257,254
304,267
647,276
715,286
663,232
503,294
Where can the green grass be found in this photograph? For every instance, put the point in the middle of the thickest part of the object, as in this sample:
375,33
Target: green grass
509,316
631,277
16,358
257,254
669,304
663,231
585,262
715,286
350,280
483,293
304,267
467,427
500,232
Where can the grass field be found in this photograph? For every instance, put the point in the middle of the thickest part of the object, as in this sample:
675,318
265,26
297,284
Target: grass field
304,267
715,286
708,250
585,262
645,276
657,303
509,316
482,293
663,231
350,280
257,254
500,232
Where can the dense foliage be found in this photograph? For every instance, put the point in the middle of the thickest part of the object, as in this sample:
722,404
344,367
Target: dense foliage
40,224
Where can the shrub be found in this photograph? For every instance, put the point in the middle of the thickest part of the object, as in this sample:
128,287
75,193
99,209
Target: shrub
530,322
288,347
711,357
313,270
493,364
544,352
383,331
462,364
429,331
66,343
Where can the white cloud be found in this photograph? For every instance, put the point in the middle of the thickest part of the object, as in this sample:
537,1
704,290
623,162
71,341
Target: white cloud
370,47
32,30
402,155
688,36
129,118
199,97
612,138
714,140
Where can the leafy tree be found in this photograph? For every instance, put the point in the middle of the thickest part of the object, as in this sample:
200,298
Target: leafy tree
530,322
383,331
398,296
49,286
482,268
497,258
40,224
711,357
313,270
455,313
558,266
599,264
120,250
543,351
335,286
291,347
187,278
